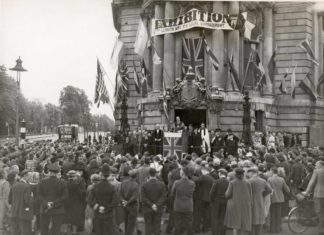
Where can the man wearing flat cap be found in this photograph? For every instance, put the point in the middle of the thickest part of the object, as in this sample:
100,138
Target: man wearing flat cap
52,193
260,189
104,199
21,201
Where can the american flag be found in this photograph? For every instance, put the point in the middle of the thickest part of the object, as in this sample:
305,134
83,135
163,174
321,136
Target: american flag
101,92
193,55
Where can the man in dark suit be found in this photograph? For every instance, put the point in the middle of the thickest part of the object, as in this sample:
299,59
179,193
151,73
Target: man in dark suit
231,143
129,198
158,139
219,203
153,201
103,199
182,191
21,201
52,193
217,142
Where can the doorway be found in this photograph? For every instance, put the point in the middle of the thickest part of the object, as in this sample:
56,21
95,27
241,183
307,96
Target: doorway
191,116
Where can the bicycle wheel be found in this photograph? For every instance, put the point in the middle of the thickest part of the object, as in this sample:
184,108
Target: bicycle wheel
297,222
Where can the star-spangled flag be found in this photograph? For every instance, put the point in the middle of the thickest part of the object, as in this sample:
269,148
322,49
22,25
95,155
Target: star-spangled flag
282,87
101,92
165,101
320,82
308,86
172,144
193,55
211,55
305,45
138,84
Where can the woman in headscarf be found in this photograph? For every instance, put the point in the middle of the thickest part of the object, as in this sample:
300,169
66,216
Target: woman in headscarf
239,204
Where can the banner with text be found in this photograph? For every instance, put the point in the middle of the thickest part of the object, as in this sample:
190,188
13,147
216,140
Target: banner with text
197,18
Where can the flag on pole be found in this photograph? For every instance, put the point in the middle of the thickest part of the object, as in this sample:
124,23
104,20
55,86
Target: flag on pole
144,75
248,26
272,64
142,38
282,87
136,79
320,82
235,81
165,101
101,92
211,56
293,83
305,45
116,53
156,58
308,86
121,81
260,69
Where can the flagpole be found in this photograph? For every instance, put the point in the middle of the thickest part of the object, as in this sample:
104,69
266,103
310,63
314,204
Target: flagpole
245,74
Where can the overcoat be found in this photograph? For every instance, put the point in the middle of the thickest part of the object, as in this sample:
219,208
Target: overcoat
260,189
239,206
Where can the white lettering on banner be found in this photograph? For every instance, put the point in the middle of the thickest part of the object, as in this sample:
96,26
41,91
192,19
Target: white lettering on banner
197,18
172,134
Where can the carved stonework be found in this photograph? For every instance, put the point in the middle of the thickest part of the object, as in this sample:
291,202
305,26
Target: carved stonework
183,7
189,92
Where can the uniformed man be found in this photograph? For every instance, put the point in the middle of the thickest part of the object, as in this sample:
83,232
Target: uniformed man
52,193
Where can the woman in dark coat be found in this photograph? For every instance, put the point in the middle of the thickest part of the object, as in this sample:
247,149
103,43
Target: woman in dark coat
74,209
239,205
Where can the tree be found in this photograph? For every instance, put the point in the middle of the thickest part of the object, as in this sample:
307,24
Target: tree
74,104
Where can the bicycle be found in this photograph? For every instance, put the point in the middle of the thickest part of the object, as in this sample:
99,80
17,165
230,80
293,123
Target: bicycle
303,215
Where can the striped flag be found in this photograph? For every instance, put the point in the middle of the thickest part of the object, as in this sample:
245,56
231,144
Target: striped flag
282,87
165,101
293,83
138,84
211,55
308,86
305,45
320,82
101,92
235,81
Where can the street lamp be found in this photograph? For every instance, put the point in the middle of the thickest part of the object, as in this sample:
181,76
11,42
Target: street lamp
18,68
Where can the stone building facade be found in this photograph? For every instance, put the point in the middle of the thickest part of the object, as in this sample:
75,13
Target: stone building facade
279,27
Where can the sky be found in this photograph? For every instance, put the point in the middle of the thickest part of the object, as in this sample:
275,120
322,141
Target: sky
59,42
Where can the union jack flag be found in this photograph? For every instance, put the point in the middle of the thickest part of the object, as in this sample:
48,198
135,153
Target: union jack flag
172,145
193,55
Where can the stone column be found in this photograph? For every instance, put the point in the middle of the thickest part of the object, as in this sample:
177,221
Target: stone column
218,77
169,49
320,58
158,47
234,39
268,46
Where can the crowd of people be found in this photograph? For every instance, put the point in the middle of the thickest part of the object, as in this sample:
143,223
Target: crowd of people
218,185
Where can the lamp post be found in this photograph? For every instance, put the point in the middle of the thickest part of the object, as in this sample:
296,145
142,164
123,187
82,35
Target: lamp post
246,135
18,68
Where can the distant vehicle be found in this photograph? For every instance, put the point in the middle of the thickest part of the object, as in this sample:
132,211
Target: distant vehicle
68,132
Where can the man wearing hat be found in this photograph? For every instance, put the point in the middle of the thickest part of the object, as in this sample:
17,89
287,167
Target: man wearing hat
153,201
103,199
21,201
219,203
217,142
260,189
52,193
129,198
231,143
